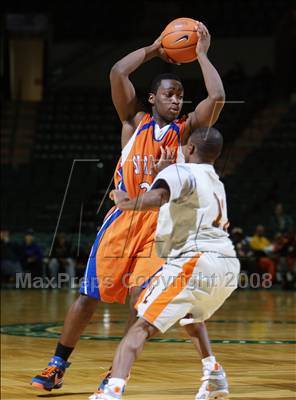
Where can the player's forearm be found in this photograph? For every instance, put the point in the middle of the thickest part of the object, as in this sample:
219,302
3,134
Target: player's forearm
132,61
212,79
152,200
136,205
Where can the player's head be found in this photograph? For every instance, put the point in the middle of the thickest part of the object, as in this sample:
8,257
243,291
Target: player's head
29,236
204,145
166,96
260,230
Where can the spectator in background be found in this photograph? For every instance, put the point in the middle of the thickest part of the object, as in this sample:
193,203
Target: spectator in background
291,260
32,256
261,246
280,222
243,250
10,257
62,259
283,250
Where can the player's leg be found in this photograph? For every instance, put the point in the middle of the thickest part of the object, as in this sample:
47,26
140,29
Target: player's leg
134,294
126,354
93,289
157,313
162,305
130,347
132,318
212,371
216,271
198,334
145,270
78,317
214,382
145,266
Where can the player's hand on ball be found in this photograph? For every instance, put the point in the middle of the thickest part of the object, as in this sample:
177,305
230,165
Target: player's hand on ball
166,159
118,196
161,52
204,40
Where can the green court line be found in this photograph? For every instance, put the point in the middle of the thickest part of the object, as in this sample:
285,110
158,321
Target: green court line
227,321
40,330
213,321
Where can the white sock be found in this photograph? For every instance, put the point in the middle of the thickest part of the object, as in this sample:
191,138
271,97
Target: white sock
116,384
209,362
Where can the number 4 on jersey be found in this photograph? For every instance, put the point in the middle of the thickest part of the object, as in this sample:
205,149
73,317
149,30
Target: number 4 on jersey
217,221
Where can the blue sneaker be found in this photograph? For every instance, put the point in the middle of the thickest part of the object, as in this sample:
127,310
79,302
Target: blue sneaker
52,376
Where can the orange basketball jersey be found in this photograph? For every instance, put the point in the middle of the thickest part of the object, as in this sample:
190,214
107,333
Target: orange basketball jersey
123,254
134,172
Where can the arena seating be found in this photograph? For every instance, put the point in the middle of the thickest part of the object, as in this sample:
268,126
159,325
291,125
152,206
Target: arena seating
266,176
82,124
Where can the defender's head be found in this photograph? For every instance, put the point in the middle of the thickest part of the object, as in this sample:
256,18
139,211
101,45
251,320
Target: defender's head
204,146
166,96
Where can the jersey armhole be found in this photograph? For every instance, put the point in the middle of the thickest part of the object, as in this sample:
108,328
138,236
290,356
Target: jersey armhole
182,126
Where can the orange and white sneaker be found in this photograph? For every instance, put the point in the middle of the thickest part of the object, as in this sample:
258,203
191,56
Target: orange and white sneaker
106,376
107,394
52,376
215,385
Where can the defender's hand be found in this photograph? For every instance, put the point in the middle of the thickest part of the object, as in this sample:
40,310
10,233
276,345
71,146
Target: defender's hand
204,40
166,159
118,196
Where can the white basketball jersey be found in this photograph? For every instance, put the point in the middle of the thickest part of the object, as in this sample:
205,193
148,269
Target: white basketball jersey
195,218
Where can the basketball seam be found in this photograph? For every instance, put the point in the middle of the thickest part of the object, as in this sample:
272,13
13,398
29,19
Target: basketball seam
183,30
181,48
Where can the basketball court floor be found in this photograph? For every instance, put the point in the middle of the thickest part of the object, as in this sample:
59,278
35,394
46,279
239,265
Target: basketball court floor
253,336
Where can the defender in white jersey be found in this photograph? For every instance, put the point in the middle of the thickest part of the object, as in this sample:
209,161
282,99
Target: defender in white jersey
191,234
201,269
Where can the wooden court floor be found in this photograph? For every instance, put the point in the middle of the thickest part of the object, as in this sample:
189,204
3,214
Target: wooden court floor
253,336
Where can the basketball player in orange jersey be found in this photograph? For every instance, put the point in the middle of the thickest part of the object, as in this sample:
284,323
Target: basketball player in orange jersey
123,258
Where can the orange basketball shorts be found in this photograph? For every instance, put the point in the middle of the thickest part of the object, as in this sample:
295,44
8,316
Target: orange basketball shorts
122,256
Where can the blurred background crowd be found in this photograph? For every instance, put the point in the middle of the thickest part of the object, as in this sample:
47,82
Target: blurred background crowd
269,250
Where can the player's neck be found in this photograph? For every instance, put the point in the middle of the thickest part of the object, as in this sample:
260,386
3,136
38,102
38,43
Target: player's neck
159,120
195,159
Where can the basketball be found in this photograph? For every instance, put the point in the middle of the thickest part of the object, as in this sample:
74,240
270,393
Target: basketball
179,40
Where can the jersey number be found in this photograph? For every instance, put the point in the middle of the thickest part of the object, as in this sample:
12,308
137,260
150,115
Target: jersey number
217,221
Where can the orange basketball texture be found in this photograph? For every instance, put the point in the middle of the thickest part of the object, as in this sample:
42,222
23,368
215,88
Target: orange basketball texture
179,40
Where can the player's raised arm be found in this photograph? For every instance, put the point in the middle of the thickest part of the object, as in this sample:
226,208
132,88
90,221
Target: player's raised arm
207,111
123,92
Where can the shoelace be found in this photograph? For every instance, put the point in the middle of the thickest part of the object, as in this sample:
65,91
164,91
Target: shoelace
206,375
49,370
107,375
205,378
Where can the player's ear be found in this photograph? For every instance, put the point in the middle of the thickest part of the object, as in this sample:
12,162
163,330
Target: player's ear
151,98
190,148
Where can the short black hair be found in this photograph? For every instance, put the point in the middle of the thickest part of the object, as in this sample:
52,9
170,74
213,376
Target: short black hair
209,143
157,81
